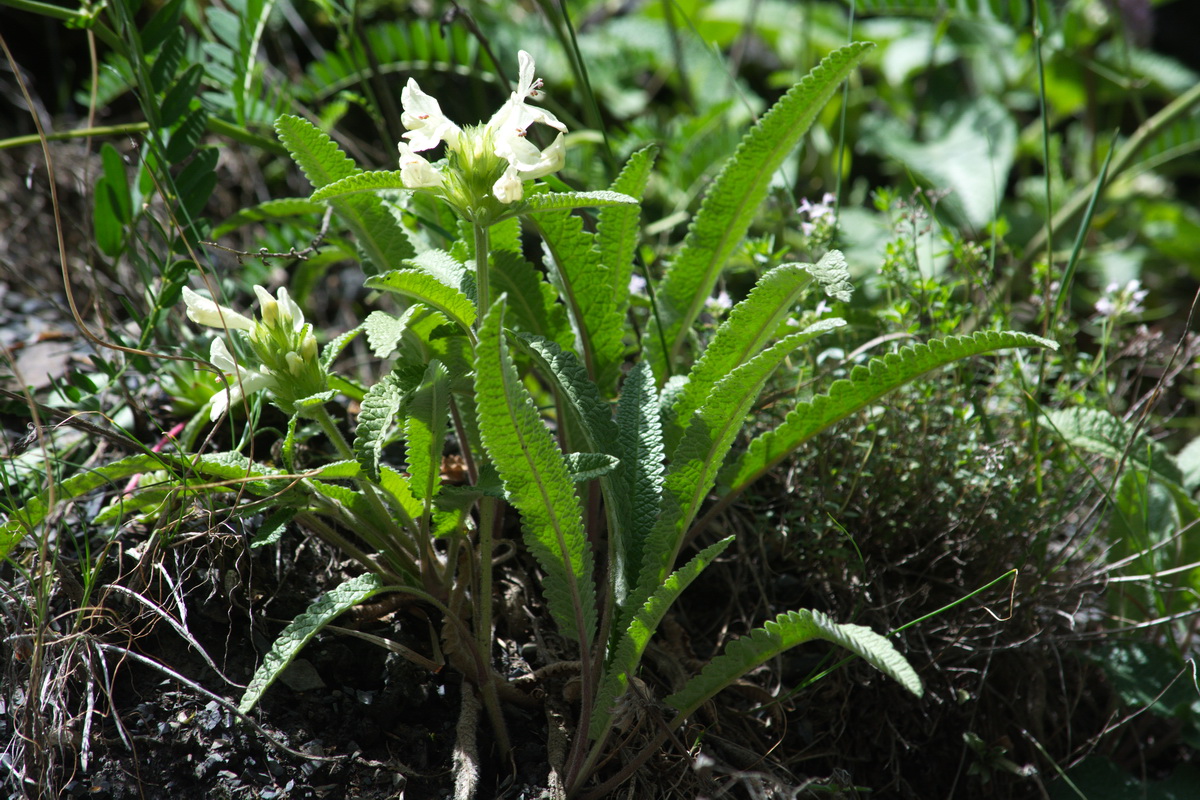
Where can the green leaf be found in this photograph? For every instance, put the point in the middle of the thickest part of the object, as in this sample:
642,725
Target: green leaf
783,633
186,136
164,22
537,483
532,302
383,242
118,183
425,431
321,160
379,409
280,208
590,466
385,332
108,228
618,228
1103,433
638,483
627,654
733,199
334,348
745,332
302,629
865,385
360,182
700,453
585,286
549,201
425,288
179,97
833,275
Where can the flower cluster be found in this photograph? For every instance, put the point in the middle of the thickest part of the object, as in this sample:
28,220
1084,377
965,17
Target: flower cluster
282,343
486,165
819,214
1117,301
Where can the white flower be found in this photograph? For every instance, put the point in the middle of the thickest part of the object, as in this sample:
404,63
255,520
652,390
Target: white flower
427,125
479,150
241,382
415,171
637,284
203,311
1117,301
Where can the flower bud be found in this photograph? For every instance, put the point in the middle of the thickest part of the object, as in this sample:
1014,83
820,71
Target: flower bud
295,363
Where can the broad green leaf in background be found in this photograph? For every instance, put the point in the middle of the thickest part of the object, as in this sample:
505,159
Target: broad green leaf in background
424,288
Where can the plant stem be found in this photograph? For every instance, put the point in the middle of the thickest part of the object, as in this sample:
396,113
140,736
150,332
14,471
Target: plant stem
483,298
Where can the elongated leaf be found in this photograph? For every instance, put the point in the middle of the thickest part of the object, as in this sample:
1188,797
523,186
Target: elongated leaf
745,332
302,629
618,228
383,242
590,466
731,202
536,481
585,286
447,269
783,633
865,385
638,483
532,301
358,183
632,644
549,201
279,208
425,288
385,332
425,430
702,450
376,418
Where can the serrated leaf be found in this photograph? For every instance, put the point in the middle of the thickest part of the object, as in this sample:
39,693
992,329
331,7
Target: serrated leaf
399,488
358,183
339,469
385,332
781,634
590,466
618,228
272,527
696,460
536,482
638,483
745,332
302,629
425,288
383,242
549,201
627,654
533,302
376,417
732,201
833,275
425,432
865,385
334,348
585,287
445,268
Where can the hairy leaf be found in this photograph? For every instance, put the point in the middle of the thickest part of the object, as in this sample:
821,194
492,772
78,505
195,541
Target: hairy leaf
536,481
1105,434
733,199
425,430
385,332
532,301
590,466
783,633
360,182
833,275
865,385
585,286
376,417
702,450
425,288
638,482
548,201
302,629
632,645
618,227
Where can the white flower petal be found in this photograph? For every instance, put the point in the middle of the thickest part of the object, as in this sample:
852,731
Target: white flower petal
415,171
290,307
427,125
219,355
203,311
509,188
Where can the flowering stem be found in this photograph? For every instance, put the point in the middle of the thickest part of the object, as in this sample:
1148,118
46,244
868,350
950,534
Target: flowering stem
482,245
